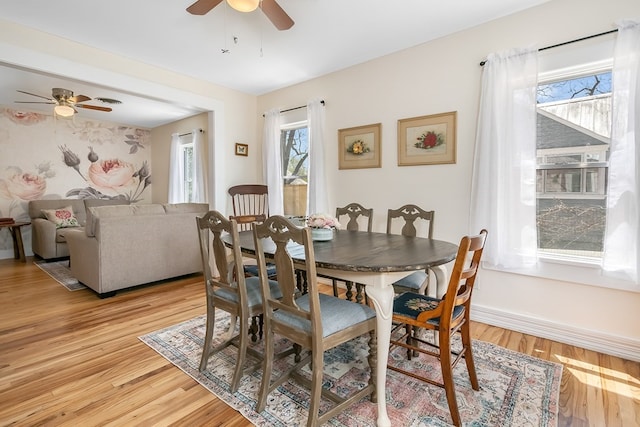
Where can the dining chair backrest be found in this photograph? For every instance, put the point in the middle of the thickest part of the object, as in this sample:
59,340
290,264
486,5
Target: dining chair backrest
461,282
212,249
410,214
354,211
250,204
288,239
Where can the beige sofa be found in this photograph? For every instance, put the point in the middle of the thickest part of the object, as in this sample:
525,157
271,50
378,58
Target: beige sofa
49,242
125,246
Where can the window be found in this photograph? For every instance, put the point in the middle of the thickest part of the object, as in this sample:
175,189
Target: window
185,157
573,135
294,140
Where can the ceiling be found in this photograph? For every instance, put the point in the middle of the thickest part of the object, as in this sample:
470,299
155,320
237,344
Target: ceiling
328,35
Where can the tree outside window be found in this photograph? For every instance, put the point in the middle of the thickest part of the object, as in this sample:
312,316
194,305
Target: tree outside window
294,140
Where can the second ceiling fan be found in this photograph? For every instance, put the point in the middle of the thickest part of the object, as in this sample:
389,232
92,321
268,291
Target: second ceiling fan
271,9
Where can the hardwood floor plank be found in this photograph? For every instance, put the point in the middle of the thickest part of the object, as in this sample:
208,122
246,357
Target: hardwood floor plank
70,359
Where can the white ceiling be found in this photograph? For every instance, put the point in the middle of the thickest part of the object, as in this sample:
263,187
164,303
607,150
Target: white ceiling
328,35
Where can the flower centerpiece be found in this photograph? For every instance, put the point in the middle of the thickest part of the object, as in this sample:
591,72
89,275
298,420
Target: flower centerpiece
322,226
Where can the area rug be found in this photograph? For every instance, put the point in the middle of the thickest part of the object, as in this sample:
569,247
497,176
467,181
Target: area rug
516,389
60,272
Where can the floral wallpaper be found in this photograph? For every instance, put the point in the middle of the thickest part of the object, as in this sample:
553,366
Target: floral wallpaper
45,157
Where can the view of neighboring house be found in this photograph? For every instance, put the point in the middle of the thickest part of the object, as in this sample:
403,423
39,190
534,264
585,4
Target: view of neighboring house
572,151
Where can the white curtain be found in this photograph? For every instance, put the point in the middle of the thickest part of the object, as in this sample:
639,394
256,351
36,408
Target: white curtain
503,194
176,171
199,168
272,161
621,257
317,199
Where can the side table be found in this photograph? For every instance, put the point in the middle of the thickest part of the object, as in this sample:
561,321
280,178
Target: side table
16,235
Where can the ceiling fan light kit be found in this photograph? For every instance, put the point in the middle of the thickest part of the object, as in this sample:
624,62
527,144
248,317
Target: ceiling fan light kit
244,5
66,103
64,110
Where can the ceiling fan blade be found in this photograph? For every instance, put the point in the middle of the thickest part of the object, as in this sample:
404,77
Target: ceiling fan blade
34,102
33,94
276,14
79,98
93,107
202,7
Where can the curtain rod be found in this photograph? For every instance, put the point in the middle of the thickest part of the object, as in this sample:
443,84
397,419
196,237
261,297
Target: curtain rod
569,42
190,133
296,108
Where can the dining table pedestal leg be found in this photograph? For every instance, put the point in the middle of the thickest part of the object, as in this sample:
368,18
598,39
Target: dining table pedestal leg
382,298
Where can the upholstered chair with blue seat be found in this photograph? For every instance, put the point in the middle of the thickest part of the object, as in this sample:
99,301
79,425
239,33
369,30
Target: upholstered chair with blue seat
232,292
317,322
412,218
448,315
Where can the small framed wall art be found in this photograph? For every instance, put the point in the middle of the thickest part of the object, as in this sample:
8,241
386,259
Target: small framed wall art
359,147
427,140
242,149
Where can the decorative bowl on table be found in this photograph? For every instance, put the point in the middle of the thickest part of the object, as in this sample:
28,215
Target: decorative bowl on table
321,234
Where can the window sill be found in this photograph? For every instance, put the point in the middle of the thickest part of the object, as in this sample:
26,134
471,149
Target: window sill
586,271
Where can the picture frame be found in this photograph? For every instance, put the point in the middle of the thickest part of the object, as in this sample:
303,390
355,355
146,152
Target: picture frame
359,147
427,140
242,149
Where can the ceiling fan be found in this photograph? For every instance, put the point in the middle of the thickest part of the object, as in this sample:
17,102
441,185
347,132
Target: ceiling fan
274,12
65,102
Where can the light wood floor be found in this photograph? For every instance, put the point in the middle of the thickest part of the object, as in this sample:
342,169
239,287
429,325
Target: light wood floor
71,359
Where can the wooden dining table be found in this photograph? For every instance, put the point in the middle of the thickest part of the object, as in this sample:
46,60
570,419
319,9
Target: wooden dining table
376,260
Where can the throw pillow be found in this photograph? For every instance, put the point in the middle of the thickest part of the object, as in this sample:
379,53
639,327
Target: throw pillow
62,217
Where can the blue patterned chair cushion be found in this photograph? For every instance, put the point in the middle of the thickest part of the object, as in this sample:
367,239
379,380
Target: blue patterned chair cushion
337,314
410,304
254,294
413,281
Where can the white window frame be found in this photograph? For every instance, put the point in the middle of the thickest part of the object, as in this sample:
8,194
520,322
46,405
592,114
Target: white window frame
576,269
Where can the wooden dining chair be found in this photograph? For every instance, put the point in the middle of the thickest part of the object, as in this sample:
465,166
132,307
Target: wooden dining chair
410,216
317,322
231,292
250,204
354,211
447,315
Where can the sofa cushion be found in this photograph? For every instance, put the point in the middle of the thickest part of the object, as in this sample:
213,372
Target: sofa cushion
61,233
92,203
62,217
119,211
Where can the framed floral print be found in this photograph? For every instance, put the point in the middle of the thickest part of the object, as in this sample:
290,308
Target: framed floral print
359,147
427,140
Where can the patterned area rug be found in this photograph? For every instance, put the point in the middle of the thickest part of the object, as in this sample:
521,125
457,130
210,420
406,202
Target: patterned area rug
515,389
59,270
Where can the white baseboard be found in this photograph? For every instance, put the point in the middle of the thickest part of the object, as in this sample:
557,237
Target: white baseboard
592,340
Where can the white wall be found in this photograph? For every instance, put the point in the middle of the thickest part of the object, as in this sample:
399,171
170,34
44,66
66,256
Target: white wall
442,76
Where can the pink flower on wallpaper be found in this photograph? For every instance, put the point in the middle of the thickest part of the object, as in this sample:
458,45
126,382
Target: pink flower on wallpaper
24,186
24,117
111,173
